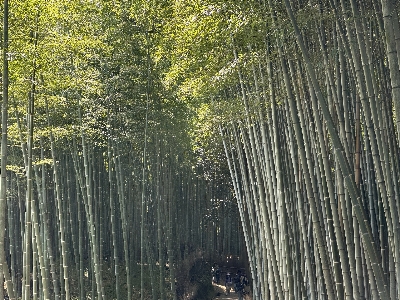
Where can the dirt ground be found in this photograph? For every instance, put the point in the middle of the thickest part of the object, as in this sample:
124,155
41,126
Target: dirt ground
220,293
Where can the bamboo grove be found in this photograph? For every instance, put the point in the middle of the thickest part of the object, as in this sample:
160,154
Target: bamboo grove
314,154
140,136
102,194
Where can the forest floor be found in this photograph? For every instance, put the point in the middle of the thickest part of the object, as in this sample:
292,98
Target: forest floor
219,288
220,293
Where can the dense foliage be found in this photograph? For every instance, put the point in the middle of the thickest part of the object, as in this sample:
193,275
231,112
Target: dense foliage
149,137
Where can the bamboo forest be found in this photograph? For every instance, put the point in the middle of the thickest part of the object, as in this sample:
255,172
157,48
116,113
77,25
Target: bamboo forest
158,149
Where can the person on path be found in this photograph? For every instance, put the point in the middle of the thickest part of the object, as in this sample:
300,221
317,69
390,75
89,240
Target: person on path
216,273
213,274
240,281
228,283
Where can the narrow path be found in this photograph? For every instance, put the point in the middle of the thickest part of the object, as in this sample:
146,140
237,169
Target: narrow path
220,291
220,288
